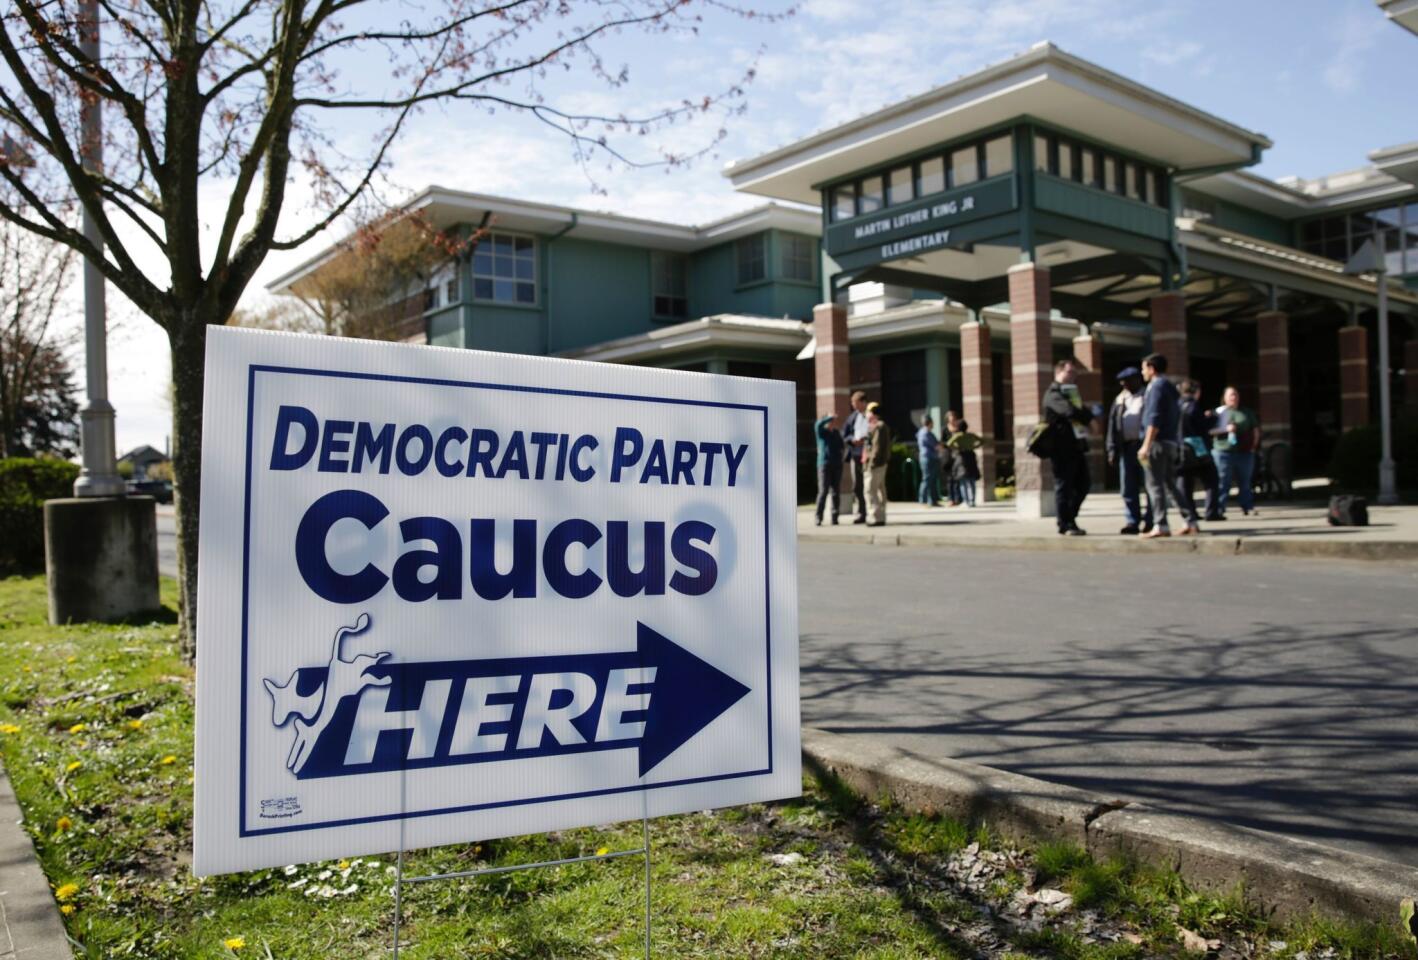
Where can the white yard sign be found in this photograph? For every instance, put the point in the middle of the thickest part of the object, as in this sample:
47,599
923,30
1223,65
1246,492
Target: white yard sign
448,596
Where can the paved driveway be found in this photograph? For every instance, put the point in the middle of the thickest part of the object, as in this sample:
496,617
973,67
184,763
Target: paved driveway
1274,693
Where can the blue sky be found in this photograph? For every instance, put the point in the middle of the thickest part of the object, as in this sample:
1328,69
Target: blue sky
1327,80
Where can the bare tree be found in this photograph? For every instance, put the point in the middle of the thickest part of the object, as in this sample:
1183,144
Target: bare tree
37,408
240,94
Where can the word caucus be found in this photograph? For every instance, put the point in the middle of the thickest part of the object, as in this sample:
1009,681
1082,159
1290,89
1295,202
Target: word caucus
443,559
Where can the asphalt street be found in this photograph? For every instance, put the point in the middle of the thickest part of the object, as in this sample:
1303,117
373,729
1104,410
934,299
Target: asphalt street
1279,694
1275,693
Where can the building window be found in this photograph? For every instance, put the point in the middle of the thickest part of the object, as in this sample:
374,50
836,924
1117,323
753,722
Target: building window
505,269
450,291
844,201
430,299
1064,165
669,286
752,256
999,156
1041,152
871,198
1088,166
898,186
964,166
932,177
1110,175
797,254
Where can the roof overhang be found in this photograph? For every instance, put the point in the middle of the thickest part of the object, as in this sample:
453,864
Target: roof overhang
1402,12
1044,83
1401,161
766,335
443,209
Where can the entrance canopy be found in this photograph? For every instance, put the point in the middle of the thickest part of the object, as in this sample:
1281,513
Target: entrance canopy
1044,84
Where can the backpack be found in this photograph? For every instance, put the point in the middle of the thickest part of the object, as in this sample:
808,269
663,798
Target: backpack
1348,511
1043,440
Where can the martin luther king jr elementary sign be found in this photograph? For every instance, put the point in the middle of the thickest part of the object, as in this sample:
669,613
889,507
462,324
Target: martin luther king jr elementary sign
449,596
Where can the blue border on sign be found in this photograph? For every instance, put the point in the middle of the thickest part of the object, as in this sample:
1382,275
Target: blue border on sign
255,368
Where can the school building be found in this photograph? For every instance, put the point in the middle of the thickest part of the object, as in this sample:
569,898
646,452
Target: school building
944,251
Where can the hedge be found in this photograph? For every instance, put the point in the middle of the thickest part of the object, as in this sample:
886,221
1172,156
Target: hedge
24,486
1355,462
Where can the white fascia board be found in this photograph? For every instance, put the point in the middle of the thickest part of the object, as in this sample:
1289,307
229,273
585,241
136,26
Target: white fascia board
994,95
1402,12
696,335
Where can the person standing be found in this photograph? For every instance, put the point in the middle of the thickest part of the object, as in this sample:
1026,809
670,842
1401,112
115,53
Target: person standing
829,465
1197,463
1065,413
966,469
1124,437
947,460
927,452
877,456
1161,448
854,433
1237,438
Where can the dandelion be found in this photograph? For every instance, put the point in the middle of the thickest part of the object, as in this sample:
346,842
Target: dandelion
66,892
342,865
602,851
9,728
62,824
28,668
167,761
73,766
70,659
78,728
67,909
135,724
234,943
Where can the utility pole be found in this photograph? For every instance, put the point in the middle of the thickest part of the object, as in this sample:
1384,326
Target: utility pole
99,475
1368,259
100,547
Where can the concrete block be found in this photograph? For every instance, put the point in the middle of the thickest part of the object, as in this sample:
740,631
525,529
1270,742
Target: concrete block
1293,878
101,558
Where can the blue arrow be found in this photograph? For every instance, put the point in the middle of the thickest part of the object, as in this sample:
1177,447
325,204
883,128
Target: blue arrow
686,695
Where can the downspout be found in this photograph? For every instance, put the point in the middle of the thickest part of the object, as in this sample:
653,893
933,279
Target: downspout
546,283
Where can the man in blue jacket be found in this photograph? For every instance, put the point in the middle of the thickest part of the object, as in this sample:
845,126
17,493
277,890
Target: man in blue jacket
829,465
1160,452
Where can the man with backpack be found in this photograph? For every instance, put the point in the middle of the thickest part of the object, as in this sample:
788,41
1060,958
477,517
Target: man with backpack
1067,419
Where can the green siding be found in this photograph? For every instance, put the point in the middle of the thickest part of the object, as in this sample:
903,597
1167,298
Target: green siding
1095,206
714,286
506,329
1241,219
594,292
445,328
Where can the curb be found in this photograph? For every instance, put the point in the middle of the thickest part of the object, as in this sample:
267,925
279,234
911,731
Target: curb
1211,546
1292,879
30,928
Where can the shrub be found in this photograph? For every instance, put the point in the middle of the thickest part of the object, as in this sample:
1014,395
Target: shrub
24,486
1355,462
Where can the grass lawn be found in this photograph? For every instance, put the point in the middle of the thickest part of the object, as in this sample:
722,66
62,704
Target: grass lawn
96,735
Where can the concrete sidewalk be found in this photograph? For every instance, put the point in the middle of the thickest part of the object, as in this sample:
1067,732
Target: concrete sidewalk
1295,528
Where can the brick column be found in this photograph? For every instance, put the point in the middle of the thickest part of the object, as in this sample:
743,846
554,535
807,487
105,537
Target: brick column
1169,333
1410,374
831,364
1273,355
832,375
1088,349
1031,363
977,382
1353,377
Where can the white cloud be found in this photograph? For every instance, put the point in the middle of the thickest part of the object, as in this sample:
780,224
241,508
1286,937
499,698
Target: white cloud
1358,32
